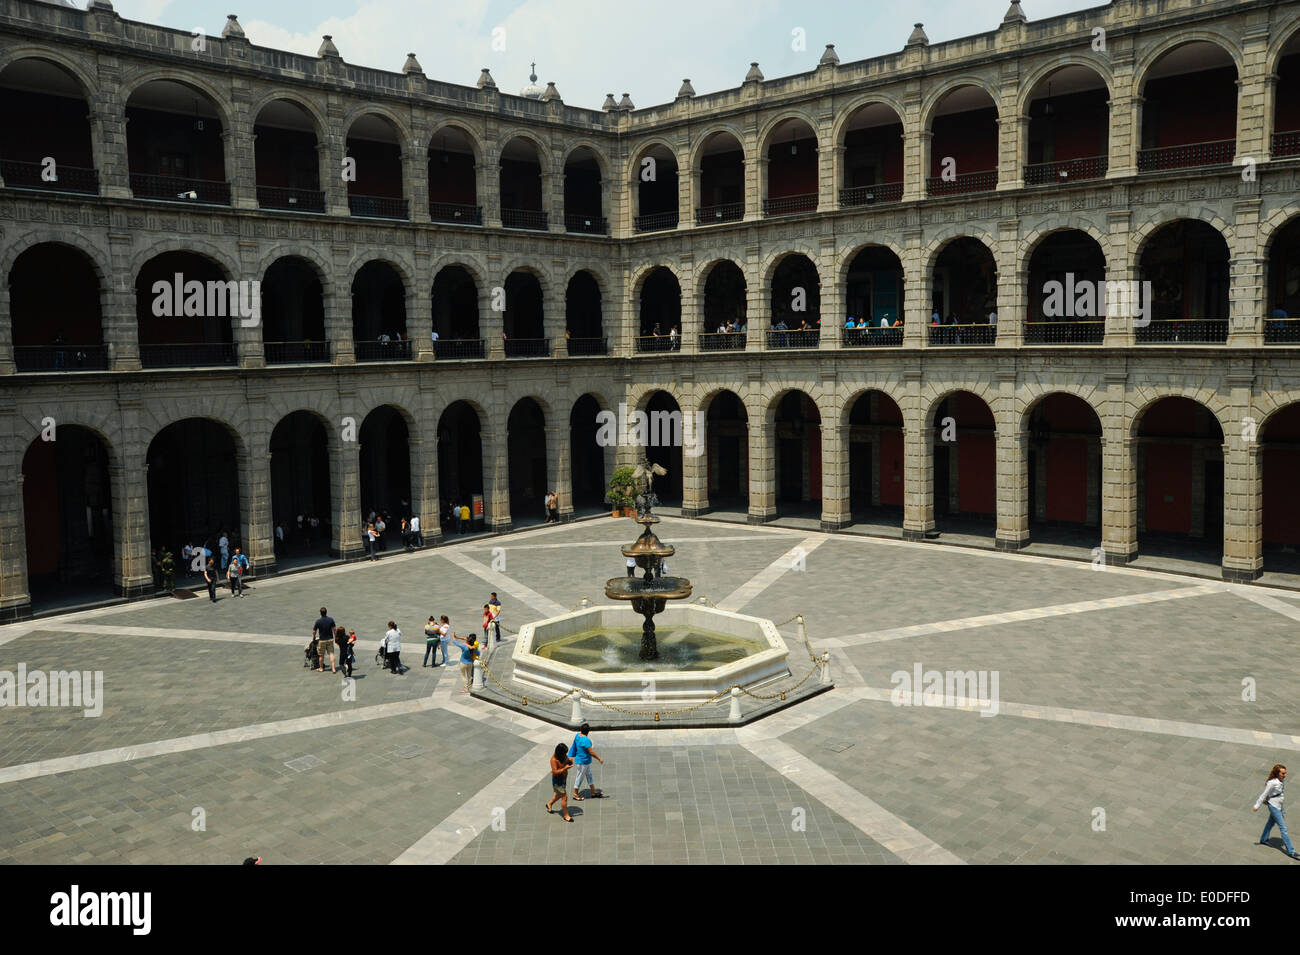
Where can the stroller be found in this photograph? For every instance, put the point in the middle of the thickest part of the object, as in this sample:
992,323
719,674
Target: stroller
311,658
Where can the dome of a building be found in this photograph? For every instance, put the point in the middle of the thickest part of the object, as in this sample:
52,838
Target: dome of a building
532,90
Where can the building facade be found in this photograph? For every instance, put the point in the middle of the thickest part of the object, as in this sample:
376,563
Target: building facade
454,281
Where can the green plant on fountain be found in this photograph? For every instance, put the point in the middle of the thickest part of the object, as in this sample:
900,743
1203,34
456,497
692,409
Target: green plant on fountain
650,593
621,485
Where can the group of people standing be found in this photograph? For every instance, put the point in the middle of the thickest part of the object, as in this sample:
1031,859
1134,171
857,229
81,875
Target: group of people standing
326,635
213,559
579,755
378,524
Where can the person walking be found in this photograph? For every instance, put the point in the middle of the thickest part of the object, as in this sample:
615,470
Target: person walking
495,605
444,638
372,536
415,531
465,518
468,653
1274,789
210,576
323,633
393,648
234,576
431,636
582,755
346,656
560,764
244,564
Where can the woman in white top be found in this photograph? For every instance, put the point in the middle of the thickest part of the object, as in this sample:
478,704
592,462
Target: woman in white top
1272,796
393,647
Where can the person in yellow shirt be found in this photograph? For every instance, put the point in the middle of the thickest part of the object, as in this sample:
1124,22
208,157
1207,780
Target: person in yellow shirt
464,516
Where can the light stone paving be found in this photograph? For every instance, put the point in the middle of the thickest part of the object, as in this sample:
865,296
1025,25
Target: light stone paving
844,777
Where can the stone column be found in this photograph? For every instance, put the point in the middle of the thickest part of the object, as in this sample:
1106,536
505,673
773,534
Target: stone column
1119,326
692,307
337,305
1243,511
826,198
1092,516
691,182
419,313
1012,484
762,463
837,511
755,183
415,182
1254,95
129,487
553,318
239,144
918,283
108,134
1012,280
425,496
492,323
695,458
553,201
1013,132
15,601
832,312
121,330
488,184
331,151
345,483
830,188
257,534
250,352
918,463
7,365
1119,495
916,160
496,473
1248,304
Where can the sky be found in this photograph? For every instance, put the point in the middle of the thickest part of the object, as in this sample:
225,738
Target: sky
592,47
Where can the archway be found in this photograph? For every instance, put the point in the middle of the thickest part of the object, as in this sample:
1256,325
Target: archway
521,186
963,143
1064,471
582,193
722,180
1286,101
185,324
664,436
386,469
1283,302
877,477
1189,108
1066,298
727,437
460,464
797,443
193,486
965,474
524,320
44,113
453,178
293,313
1187,263
1279,442
792,181
455,314
174,143
68,519
726,307
287,158
656,192
375,177
586,456
1069,127
964,292
379,314
54,304
661,311
526,447
796,304
1180,480
300,486
582,315
872,164
873,298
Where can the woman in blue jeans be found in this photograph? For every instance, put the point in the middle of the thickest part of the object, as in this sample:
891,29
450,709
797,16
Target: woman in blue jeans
1274,788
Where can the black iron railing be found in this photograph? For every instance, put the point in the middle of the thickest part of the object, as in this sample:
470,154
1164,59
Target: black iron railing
297,200
871,195
1217,153
523,219
723,341
395,350
528,347
1194,331
1286,144
377,207
1278,331
871,337
296,353
967,182
30,175
1067,170
197,355
658,343
209,191
794,338
586,225
963,334
1064,333
61,357
655,221
455,212
588,346
725,212
789,205
458,348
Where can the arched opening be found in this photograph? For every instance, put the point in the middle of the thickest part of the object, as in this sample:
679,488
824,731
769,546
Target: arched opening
54,305
1286,101
375,176
68,519
872,164
582,316
586,456
873,298
521,186
791,169
963,143
524,325
964,294
1279,445
797,436
1187,264
526,446
44,114
1283,302
193,475
1064,471
664,438
877,476
183,311
293,313
661,311
300,488
455,314
727,445
1180,481
385,470
965,478
1066,297
582,206
656,190
796,304
1069,127
287,158
460,466
1189,108
379,314
722,180
726,308
174,143
453,178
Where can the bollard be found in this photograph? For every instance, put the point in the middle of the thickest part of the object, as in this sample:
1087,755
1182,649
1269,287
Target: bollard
826,668
575,714
585,603
478,674
734,715
803,631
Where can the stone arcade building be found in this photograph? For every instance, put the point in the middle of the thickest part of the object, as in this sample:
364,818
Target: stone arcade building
545,245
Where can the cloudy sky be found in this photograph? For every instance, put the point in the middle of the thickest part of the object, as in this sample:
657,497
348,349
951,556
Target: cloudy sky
593,47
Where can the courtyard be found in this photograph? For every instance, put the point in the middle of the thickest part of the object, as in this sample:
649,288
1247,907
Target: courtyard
1137,714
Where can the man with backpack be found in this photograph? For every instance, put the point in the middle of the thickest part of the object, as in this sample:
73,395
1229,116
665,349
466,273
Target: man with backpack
582,754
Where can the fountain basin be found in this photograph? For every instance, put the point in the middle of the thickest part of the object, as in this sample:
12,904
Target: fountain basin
703,651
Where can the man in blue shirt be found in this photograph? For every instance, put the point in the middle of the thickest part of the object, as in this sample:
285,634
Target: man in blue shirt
582,754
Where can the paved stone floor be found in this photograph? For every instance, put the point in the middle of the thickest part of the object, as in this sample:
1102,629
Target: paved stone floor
1120,735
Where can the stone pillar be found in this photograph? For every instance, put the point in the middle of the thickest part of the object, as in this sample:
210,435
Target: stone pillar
345,483
108,133
331,151
121,331
7,365
239,146
918,284
1119,326
837,511
1248,304
758,305
257,533
1013,134
1243,511
419,313
250,352
918,463
129,487
1125,118
492,323
1013,277
496,475
1119,495
916,159
559,468
553,201
553,317
695,466
832,312
425,497
826,198
15,601
762,463
830,188
755,183
415,182
1254,95
488,176
1012,484
337,304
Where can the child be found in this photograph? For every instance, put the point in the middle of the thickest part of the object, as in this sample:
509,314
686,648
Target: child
487,619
